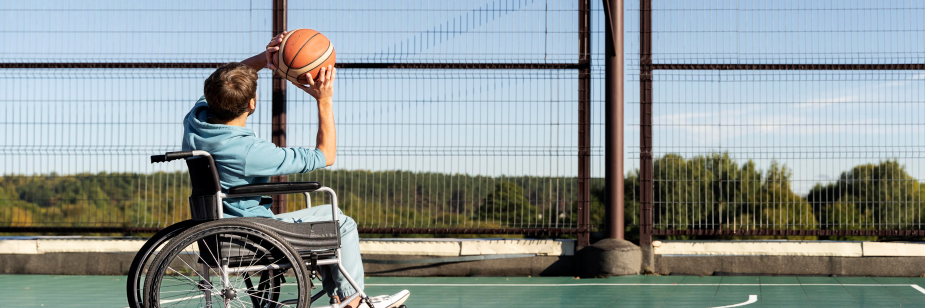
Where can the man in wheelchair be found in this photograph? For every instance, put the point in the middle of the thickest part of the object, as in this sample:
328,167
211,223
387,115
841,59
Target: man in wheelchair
216,124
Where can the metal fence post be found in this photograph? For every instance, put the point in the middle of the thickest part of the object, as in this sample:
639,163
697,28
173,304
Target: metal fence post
613,117
584,123
279,103
646,169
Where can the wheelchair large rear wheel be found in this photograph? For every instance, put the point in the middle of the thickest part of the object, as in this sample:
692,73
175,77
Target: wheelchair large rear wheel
227,263
134,286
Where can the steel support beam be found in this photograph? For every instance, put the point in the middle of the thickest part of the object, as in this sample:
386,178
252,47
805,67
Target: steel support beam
278,125
30,65
72,230
787,67
584,123
646,169
509,66
543,231
613,117
791,232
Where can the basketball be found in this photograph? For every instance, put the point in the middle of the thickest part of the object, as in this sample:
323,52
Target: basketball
304,51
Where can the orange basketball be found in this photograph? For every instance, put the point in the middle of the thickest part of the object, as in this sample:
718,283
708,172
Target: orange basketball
304,51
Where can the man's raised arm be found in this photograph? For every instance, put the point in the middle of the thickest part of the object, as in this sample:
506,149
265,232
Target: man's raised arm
266,58
322,89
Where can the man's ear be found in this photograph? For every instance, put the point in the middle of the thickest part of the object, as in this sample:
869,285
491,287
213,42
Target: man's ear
252,105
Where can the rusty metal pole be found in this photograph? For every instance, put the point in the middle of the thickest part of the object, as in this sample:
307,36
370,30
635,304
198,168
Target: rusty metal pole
584,123
646,169
613,116
279,103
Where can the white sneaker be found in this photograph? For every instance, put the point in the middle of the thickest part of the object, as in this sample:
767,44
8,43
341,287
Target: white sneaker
390,301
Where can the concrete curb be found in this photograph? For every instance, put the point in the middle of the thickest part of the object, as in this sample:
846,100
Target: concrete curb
410,247
790,248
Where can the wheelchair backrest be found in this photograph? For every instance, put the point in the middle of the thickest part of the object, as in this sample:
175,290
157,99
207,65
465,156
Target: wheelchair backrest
204,201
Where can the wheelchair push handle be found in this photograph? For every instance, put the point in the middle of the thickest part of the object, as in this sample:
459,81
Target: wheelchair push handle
169,156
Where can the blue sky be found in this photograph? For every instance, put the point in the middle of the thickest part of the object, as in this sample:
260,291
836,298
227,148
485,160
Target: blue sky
499,122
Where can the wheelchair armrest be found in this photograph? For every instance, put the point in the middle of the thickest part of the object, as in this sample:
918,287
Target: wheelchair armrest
274,188
177,155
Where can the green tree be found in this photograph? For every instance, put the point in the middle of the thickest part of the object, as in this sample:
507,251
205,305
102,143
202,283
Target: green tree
508,205
713,192
871,196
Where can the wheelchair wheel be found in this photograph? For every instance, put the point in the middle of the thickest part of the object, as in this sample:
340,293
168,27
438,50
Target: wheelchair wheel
227,263
134,285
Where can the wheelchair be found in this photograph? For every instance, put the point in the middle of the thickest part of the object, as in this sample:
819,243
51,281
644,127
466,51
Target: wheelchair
208,261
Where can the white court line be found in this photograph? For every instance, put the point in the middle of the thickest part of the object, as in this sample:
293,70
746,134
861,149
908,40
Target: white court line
751,299
630,284
917,287
181,299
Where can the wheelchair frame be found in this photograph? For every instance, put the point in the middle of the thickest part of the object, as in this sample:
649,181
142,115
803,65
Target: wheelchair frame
206,204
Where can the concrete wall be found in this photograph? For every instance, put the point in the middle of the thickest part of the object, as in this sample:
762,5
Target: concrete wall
113,256
822,258
436,257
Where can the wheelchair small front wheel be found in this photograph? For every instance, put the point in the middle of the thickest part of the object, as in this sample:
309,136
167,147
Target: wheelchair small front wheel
227,263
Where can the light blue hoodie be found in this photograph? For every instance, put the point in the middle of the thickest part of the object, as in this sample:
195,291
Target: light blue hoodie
242,158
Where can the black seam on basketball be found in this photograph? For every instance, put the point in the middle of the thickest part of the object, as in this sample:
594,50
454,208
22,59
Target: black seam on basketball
283,54
289,66
325,60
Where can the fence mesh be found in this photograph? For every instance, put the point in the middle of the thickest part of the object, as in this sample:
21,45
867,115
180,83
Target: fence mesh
794,149
417,148
789,149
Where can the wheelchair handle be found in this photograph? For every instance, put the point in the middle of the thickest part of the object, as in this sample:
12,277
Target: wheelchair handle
169,156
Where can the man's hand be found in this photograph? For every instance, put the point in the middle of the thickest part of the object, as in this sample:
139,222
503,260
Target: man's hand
267,58
323,88
273,49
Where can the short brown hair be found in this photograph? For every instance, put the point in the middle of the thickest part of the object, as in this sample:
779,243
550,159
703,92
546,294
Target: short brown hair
229,90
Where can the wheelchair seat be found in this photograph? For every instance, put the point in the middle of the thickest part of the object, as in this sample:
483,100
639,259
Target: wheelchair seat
312,240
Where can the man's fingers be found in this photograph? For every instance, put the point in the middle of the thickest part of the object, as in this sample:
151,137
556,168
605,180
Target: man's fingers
310,80
330,72
333,74
276,40
321,74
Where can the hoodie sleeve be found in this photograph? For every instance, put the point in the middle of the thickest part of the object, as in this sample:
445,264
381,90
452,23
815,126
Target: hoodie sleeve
266,159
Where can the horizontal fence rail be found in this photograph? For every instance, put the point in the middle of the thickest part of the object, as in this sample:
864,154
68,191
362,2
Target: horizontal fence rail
521,66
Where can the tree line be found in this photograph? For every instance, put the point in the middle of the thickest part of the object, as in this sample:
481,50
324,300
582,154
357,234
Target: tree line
701,192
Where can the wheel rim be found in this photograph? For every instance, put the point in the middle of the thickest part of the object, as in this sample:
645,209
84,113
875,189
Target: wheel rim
192,273
135,281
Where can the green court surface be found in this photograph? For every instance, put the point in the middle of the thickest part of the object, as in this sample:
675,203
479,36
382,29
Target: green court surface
630,291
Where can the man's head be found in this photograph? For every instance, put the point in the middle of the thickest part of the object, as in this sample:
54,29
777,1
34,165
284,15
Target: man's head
231,91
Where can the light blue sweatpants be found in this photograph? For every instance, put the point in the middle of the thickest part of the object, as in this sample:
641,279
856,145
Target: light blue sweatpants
332,280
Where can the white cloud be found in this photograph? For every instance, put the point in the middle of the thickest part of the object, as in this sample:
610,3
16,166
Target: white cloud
816,103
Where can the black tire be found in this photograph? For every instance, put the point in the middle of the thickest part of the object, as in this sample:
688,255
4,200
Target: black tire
134,287
199,251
